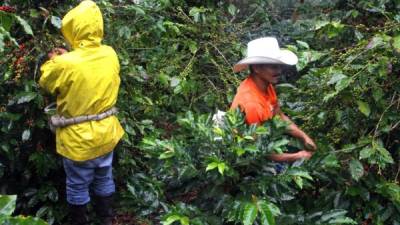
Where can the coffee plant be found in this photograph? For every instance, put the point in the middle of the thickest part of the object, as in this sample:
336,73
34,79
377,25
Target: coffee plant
175,165
7,206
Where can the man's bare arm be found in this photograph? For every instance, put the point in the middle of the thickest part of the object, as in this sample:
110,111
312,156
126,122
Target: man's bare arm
296,132
290,157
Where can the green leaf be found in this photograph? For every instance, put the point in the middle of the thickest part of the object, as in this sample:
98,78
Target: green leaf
34,13
239,151
329,96
336,78
193,47
330,161
390,191
137,9
221,168
342,84
364,108
173,27
22,220
25,25
218,131
171,219
148,142
366,152
385,154
377,93
6,21
163,78
299,181
343,220
335,29
130,130
7,204
1,50
358,35
375,42
184,220
332,214
300,173
249,213
356,169
232,9
251,149
303,44
277,145
396,43
262,130
167,154
125,32
26,97
267,217
320,24
196,13
248,137
212,166
274,209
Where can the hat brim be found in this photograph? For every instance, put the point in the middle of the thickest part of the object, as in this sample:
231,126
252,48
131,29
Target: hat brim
285,57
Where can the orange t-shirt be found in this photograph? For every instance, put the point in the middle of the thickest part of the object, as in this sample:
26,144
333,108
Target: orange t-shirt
258,106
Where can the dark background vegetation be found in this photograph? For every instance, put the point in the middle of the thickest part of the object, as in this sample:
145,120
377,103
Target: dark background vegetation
176,57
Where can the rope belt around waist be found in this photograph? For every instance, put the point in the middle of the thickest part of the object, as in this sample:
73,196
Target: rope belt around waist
60,121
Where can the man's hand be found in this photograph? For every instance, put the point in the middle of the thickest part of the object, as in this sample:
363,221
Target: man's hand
309,143
304,154
55,52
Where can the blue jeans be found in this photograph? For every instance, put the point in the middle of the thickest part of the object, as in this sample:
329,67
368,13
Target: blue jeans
95,174
280,167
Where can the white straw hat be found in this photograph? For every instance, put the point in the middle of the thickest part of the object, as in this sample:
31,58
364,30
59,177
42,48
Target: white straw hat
265,51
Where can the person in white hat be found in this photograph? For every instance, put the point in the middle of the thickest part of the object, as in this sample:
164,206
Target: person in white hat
256,95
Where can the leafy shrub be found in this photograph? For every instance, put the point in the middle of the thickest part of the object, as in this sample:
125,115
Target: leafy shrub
7,206
176,56
222,173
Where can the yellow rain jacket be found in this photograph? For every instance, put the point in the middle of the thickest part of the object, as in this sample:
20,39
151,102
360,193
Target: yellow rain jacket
85,81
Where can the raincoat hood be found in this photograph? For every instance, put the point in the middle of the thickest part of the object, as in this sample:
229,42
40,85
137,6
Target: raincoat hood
83,25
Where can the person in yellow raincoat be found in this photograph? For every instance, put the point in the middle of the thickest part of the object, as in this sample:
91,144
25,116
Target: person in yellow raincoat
86,82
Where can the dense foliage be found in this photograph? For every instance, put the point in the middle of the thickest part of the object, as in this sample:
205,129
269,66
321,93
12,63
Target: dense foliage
175,166
7,207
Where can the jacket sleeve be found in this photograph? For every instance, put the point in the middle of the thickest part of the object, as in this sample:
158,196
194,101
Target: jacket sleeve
52,72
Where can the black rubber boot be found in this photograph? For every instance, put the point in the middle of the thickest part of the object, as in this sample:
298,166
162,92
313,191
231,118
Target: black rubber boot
103,208
78,214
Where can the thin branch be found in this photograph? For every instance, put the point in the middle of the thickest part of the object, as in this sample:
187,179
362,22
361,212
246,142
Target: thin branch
392,102
397,174
395,126
223,56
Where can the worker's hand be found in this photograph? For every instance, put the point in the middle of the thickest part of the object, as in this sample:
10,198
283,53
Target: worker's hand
57,51
303,154
309,143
